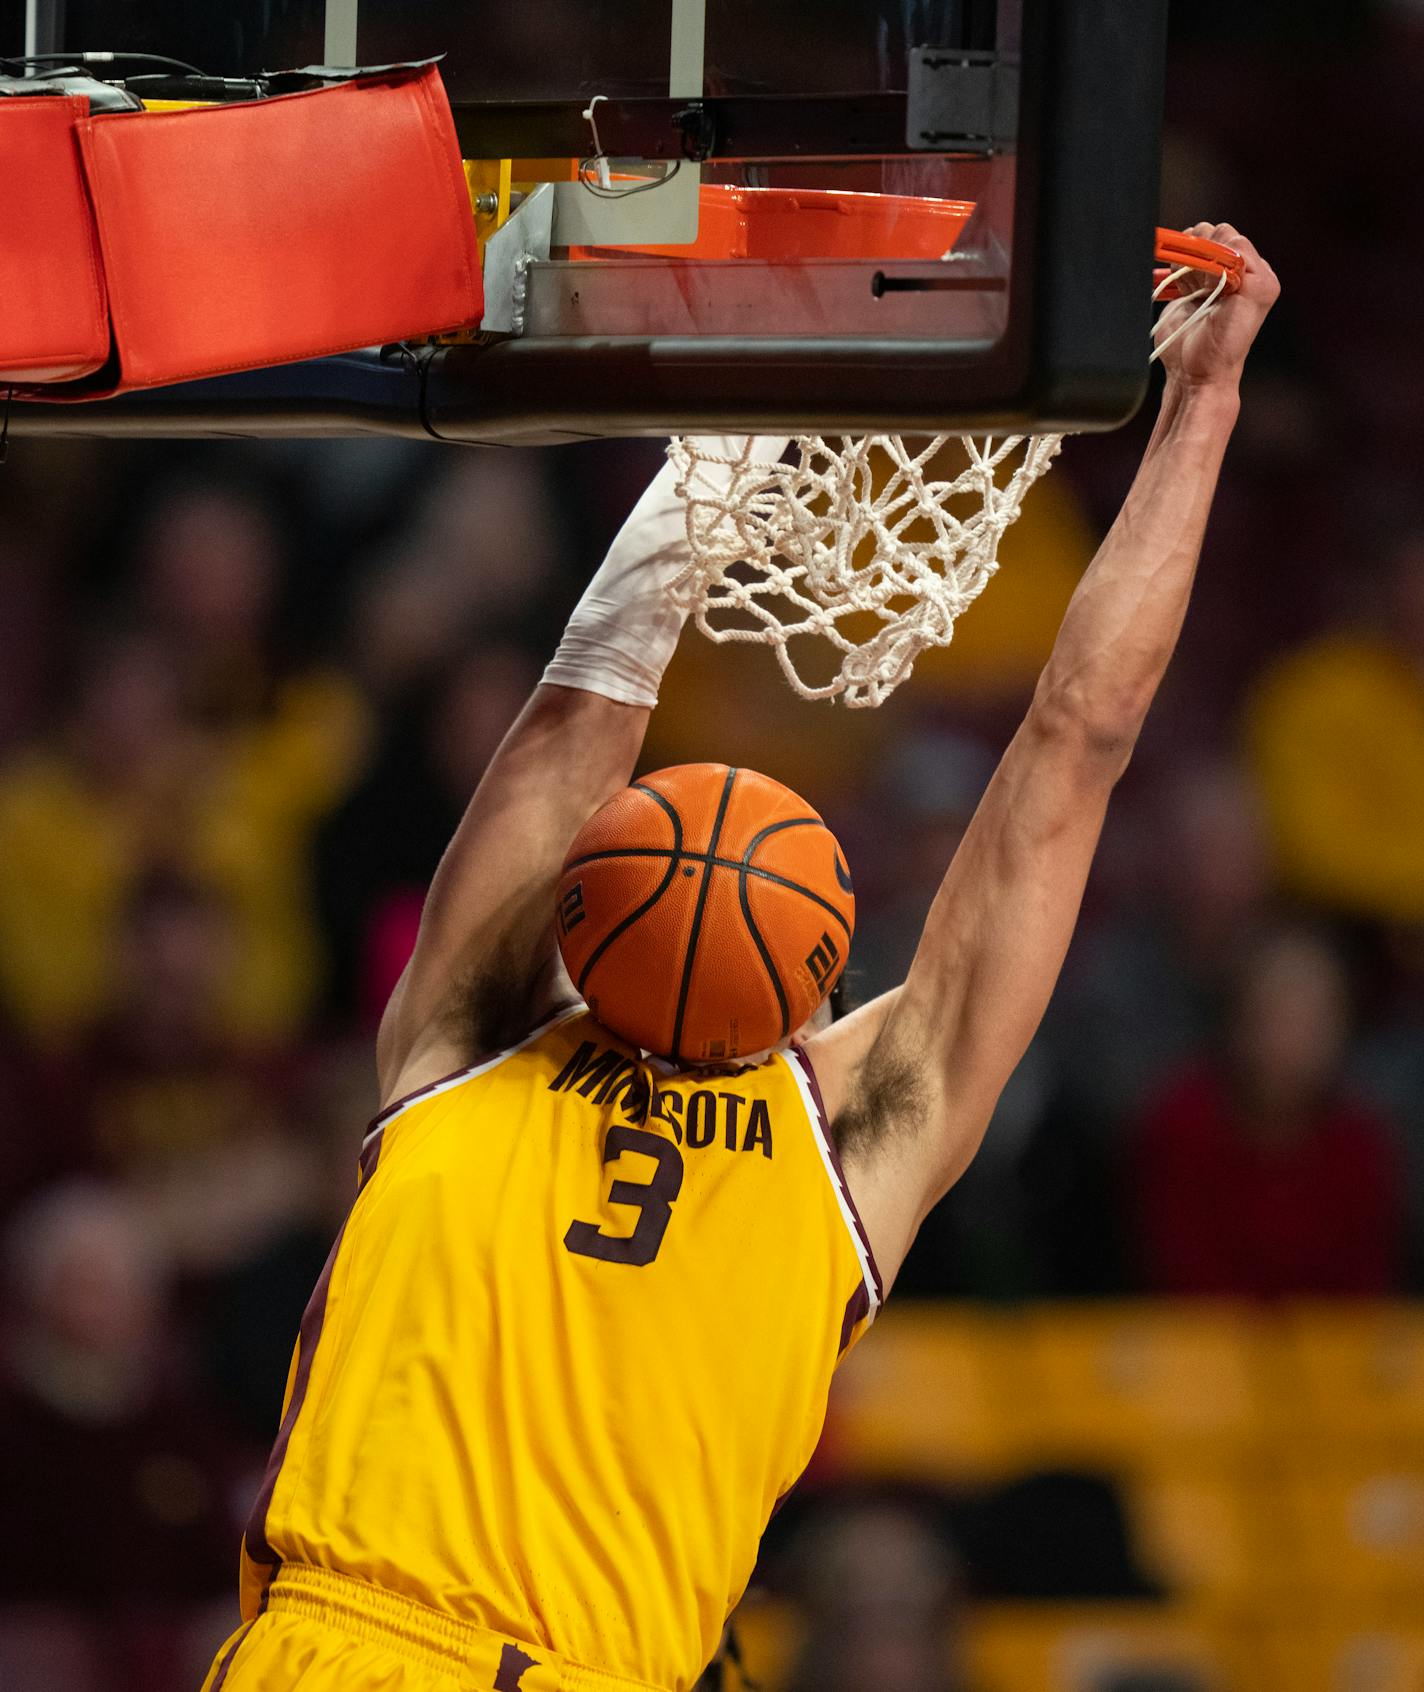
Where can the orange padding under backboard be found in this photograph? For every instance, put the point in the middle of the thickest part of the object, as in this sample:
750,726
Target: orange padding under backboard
810,223
54,326
236,236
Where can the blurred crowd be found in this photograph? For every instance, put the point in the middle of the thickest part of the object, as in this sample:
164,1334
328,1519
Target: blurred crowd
245,691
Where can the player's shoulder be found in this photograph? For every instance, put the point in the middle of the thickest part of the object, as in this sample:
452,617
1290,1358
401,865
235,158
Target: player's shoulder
443,1063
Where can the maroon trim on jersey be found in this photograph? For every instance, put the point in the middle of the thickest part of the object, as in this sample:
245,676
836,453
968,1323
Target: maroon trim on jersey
383,1116
799,1055
370,1154
387,1112
856,1310
228,1655
255,1535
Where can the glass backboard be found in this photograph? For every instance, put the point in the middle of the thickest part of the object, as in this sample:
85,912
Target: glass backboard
823,215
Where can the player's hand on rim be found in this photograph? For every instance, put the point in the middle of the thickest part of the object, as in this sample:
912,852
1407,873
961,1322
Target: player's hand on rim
1213,350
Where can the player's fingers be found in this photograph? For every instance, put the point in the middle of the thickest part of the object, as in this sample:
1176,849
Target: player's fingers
1228,235
1259,278
1193,281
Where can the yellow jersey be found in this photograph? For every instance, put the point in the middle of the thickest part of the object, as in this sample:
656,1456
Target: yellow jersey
571,1347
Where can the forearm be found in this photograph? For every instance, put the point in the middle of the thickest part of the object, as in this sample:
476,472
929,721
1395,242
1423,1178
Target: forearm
1000,924
1124,619
916,1098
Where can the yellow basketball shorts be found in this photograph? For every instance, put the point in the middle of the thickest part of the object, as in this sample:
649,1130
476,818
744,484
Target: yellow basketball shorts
325,1632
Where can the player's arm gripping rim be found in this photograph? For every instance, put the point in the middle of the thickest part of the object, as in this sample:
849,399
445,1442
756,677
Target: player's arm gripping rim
485,969
911,1080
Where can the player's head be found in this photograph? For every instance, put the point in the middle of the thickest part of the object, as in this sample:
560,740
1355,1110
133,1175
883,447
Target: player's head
705,913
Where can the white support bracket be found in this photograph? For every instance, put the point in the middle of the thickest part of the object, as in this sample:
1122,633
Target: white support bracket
339,42
667,214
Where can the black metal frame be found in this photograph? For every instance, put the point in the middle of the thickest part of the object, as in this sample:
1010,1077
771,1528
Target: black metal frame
730,126
1084,208
49,27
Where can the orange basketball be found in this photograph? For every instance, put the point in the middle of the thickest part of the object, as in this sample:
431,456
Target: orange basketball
705,912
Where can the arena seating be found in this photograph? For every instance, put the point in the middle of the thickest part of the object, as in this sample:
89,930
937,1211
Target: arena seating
1270,1462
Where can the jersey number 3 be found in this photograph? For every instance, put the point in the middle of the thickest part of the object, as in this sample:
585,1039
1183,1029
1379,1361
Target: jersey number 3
652,1200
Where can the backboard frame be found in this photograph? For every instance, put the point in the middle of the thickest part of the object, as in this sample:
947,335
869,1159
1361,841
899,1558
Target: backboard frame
1084,212
1084,208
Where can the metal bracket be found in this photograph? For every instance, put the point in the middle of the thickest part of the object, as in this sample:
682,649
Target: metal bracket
666,213
509,252
956,95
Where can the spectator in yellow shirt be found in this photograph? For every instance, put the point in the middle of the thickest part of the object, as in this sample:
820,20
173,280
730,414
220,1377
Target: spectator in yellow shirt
185,748
1336,735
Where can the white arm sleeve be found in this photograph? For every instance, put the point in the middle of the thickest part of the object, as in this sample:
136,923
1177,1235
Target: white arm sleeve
624,631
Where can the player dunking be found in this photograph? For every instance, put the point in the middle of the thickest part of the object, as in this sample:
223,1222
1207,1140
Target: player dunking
511,1461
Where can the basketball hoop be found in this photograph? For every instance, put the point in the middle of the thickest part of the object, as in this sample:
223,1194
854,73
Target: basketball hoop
875,545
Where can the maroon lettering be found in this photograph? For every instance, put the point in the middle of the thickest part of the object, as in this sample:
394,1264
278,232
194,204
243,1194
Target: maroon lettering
607,1063
619,1072
758,1129
637,1095
701,1118
667,1108
733,1102
576,1068
652,1199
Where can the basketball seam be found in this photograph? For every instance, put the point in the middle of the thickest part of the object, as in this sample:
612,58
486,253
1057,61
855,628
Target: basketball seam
702,892
738,864
805,892
776,828
674,859
661,799
766,956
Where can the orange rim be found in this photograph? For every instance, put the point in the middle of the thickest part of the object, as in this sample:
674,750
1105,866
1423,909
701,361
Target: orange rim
807,223
782,223
1176,250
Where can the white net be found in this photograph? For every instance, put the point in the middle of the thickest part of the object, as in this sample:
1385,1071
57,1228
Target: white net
875,545
872,545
